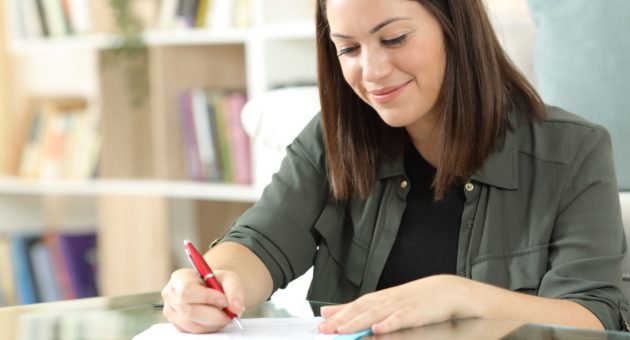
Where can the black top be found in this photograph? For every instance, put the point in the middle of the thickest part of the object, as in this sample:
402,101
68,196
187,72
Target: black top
427,239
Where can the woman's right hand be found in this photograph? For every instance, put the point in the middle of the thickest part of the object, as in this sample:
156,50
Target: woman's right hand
194,308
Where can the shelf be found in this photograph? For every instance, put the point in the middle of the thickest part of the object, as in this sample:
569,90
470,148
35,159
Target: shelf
297,30
44,45
171,189
196,37
294,30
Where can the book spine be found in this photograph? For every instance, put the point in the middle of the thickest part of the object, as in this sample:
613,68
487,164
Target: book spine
168,13
204,132
79,257
191,151
23,270
43,272
7,274
53,11
42,17
61,270
220,113
80,15
239,141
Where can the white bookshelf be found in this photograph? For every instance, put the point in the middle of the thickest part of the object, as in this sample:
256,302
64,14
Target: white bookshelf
144,194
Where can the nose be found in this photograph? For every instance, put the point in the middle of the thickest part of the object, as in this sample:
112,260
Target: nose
375,64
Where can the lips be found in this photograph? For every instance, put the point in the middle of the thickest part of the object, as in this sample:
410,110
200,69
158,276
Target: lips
389,93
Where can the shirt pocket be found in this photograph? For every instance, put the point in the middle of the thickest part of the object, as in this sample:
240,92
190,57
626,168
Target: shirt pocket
337,233
520,270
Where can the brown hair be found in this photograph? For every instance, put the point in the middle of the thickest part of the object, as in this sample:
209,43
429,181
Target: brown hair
481,85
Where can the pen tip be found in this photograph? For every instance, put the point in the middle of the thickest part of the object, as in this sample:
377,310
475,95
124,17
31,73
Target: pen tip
186,242
238,324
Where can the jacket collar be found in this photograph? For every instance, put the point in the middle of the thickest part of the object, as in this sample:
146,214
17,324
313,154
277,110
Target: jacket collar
500,168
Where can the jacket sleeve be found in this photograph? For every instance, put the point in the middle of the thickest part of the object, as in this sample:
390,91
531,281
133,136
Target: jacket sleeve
278,228
588,242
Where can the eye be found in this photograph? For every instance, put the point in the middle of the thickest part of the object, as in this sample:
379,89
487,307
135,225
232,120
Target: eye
396,41
346,50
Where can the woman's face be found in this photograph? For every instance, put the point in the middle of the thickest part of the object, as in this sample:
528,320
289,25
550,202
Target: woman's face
392,55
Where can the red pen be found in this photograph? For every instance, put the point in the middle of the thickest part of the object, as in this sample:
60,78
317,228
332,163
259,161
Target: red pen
207,276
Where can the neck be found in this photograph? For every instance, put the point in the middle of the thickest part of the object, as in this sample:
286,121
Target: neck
427,140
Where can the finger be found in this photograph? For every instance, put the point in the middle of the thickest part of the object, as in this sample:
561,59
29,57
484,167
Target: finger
400,319
368,318
186,287
209,316
234,292
345,313
328,311
186,325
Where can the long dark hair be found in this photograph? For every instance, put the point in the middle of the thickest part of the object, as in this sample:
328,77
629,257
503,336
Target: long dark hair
480,87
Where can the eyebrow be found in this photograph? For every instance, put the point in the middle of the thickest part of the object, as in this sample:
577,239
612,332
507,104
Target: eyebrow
375,29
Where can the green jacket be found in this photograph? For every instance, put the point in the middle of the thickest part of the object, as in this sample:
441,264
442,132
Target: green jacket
541,217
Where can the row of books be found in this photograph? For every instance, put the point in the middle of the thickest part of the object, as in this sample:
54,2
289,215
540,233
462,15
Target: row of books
62,141
216,147
50,267
51,18
58,18
214,14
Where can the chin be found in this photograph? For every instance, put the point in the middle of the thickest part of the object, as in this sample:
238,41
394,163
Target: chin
392,118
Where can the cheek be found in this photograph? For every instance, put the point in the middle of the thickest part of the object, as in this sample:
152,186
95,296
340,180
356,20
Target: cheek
349,72
352,75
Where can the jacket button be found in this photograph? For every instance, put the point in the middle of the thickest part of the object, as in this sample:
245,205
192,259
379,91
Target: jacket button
469,186
403,184
469,224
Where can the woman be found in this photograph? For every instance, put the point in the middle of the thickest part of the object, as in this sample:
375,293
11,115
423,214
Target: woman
434,185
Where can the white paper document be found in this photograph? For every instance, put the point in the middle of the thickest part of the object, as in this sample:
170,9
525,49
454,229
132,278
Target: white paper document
261,328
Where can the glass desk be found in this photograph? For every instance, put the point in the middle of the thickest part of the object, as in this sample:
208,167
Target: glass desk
123,317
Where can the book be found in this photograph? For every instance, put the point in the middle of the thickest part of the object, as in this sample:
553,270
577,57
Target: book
201,18
54,145
79,16
223,136
221,14
239,140
78,252
42,17
189,138
168,13
242,13
7,278
29,18
65,10
62,275
205,133
22,269
56,22
44,273
186,13
82,150
31,150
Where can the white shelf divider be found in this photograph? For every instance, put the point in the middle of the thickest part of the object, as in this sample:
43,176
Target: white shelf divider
171,189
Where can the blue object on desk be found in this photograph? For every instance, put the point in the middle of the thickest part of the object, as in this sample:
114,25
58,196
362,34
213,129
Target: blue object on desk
353,336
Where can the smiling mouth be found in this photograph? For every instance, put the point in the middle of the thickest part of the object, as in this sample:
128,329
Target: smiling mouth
389,93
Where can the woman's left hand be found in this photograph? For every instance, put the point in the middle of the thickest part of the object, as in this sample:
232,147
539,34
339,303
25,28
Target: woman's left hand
429,300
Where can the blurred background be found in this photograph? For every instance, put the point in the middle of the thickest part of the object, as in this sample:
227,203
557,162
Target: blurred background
127,126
